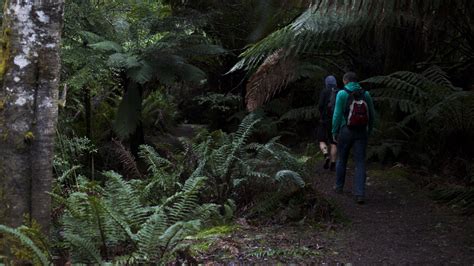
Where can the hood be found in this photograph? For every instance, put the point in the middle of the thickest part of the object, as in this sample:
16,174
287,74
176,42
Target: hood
352,86
330,82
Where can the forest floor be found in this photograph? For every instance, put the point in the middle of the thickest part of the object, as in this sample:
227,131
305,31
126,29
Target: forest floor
398,224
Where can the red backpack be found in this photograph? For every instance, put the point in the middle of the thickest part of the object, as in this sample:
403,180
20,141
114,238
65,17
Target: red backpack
357,110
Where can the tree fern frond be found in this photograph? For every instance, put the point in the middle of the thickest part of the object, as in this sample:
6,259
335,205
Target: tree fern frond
142,73
412,84
272,76
326,21
122,60
127,161
27,242
439,76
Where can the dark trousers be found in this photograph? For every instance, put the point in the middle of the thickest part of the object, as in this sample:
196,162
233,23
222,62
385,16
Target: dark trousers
347,139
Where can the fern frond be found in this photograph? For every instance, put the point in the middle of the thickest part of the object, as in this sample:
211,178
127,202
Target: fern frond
272,76
439,76
68,173
303,113
240,139
123,199
83,248
290,177
127,161
27,242
181,205
178,231
107,46
154,161
148,236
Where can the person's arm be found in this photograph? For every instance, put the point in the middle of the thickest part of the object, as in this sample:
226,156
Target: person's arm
338,112
370,103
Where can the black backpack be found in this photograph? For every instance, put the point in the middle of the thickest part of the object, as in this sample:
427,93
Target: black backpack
332,102
357,110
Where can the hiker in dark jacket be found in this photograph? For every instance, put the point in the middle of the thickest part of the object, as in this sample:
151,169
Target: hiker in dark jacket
324,136
352,123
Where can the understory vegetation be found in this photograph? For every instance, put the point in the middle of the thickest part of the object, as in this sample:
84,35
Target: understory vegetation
180,116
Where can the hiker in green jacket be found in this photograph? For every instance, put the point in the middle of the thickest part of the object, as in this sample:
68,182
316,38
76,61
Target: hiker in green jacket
352,123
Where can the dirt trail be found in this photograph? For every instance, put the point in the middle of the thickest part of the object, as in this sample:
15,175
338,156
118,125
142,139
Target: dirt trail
397,225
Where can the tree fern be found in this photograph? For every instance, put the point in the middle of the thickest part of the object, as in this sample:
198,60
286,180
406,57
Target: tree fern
328,23
439,109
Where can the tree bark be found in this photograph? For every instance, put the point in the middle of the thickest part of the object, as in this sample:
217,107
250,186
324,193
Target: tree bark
31,35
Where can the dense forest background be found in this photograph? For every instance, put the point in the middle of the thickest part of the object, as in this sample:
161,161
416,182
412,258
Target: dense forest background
176,115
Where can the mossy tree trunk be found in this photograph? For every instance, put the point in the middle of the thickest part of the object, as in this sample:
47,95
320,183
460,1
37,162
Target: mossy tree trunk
28,108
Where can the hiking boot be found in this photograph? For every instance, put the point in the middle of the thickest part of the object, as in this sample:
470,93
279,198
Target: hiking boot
359,199
333,167
338,190
326,161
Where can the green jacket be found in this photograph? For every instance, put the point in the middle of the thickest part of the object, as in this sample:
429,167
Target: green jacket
338,119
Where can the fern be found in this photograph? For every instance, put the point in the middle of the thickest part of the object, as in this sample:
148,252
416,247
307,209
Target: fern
107,46
147,236
325,26
289,177
83,248
26,241
308,113
183,203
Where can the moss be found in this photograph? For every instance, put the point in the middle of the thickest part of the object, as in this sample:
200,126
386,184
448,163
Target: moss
28,137
4,52
201,247
391,173
216,231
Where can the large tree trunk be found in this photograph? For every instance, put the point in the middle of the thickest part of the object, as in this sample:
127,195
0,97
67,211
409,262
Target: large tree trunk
29,70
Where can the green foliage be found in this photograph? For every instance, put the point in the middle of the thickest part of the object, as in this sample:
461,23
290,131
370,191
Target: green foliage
307,113
159,112
39,256
128,114
332,22
219,102
70,156
99,220
434,111
457,197
235,167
